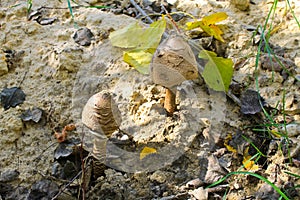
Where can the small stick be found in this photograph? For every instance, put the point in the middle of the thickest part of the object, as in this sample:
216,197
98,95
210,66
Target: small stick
172,20
219,188
83,184
165,35
141,11
66,186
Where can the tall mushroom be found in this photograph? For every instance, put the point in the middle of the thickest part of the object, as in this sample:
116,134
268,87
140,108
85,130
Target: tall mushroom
102,116
173,63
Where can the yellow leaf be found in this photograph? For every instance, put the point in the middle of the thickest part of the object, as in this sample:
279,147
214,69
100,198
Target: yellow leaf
207,24
248,163
140,60
193,25
230,148
212,30
147,151
275,133
152,36
226,143
216,32
214,18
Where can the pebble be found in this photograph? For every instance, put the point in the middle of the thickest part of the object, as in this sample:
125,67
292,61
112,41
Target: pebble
44,189
195,183
9,175
46,21
292,129
242,5
83,36
200,193
158,176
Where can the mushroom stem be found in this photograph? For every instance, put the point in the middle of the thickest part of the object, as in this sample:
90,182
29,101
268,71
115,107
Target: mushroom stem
169,104
99,149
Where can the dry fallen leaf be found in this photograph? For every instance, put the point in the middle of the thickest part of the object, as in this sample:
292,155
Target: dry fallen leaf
34,114
147,151
226,144
11,97
62,137
252,102
248,163
200,193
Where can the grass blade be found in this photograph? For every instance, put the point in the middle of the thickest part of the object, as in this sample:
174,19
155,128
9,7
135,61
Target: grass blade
254,175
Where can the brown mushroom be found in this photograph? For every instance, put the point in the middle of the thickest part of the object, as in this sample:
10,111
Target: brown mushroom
173,63
102,116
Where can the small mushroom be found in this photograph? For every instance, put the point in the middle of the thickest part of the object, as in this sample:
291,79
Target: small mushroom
173,63
102,116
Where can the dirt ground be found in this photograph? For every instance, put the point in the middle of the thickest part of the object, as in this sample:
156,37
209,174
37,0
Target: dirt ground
200,144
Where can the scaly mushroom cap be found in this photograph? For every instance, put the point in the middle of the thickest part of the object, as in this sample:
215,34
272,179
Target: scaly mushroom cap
101,114
173,63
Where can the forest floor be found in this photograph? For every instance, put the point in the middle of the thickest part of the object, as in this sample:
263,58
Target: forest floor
47,76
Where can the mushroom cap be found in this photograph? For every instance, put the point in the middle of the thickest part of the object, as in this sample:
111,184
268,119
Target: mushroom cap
101,114
173,62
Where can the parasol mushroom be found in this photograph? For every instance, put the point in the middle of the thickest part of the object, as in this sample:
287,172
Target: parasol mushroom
102,116
173,63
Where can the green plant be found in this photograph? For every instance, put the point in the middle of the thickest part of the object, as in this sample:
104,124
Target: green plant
29,6
270,124
251,174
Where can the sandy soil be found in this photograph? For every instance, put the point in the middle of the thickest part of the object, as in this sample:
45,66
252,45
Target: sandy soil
58,76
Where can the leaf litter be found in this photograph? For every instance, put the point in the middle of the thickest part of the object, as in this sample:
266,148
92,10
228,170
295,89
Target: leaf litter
34,114
11,97
252,102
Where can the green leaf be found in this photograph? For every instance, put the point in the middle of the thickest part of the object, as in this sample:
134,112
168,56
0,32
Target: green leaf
152,35
141,41
137,37
124,37
140,60
218,71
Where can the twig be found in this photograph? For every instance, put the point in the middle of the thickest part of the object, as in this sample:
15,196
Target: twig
234,98
141,11
43,151
219,188
172,20
67,185
22,80
83,188
165,35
